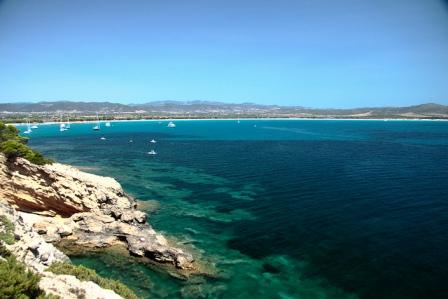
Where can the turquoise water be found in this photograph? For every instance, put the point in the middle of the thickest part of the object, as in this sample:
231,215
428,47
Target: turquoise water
279,208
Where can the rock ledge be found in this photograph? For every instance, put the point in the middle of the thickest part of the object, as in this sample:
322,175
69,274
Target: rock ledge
63,203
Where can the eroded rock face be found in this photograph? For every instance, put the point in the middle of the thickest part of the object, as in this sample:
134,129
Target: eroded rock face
95,210
32,249
58,189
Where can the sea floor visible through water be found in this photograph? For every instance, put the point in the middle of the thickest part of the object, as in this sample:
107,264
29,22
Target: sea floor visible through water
278,208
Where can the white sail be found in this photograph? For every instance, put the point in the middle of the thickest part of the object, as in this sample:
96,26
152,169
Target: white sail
28,130
98,126
62,125
67,126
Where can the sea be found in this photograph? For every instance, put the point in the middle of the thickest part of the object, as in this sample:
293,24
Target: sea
277,208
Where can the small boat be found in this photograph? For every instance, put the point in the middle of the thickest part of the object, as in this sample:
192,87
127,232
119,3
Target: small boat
103,138
153,141
152,152
62,126
107,124
98,126
131,140
171,125
28,130
34,127
67,125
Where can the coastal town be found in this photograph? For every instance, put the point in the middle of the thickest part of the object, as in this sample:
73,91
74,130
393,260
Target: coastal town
87,111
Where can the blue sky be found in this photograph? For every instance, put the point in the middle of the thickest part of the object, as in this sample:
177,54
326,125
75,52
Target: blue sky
345,53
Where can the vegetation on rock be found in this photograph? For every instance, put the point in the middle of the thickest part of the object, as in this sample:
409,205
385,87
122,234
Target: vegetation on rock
86,274
6,230
13,146
18,282
15,280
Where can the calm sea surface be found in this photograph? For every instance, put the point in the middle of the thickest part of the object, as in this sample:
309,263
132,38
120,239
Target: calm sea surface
279,208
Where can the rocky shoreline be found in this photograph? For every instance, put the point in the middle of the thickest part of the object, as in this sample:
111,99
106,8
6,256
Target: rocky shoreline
59,204
37,254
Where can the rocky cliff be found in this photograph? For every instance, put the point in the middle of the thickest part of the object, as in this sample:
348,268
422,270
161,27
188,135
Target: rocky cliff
62,203
32,249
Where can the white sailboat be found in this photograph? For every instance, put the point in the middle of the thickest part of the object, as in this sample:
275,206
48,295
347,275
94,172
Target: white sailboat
152,152
34,127
28,130
171,125
97,127
62,127
107,124
67,126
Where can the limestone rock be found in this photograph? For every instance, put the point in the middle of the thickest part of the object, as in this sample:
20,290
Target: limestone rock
131,215
65,230
61,202
32,249
57,189
69,287
30,246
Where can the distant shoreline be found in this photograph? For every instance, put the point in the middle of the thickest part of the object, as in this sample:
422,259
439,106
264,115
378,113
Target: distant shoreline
240,119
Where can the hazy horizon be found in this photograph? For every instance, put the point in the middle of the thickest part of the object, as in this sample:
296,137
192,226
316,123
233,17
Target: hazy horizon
318,54
210,101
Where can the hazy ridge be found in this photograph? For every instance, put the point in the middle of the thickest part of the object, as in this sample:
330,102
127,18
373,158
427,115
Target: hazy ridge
218,109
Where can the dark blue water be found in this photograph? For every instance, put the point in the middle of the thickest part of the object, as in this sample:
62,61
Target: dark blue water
280,208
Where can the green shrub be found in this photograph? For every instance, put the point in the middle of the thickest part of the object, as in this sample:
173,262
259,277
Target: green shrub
17,282
8,132
13,149
48,296
4,252
6,230
13,146
83,273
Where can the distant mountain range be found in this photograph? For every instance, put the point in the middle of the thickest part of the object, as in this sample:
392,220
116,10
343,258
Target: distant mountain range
218,109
